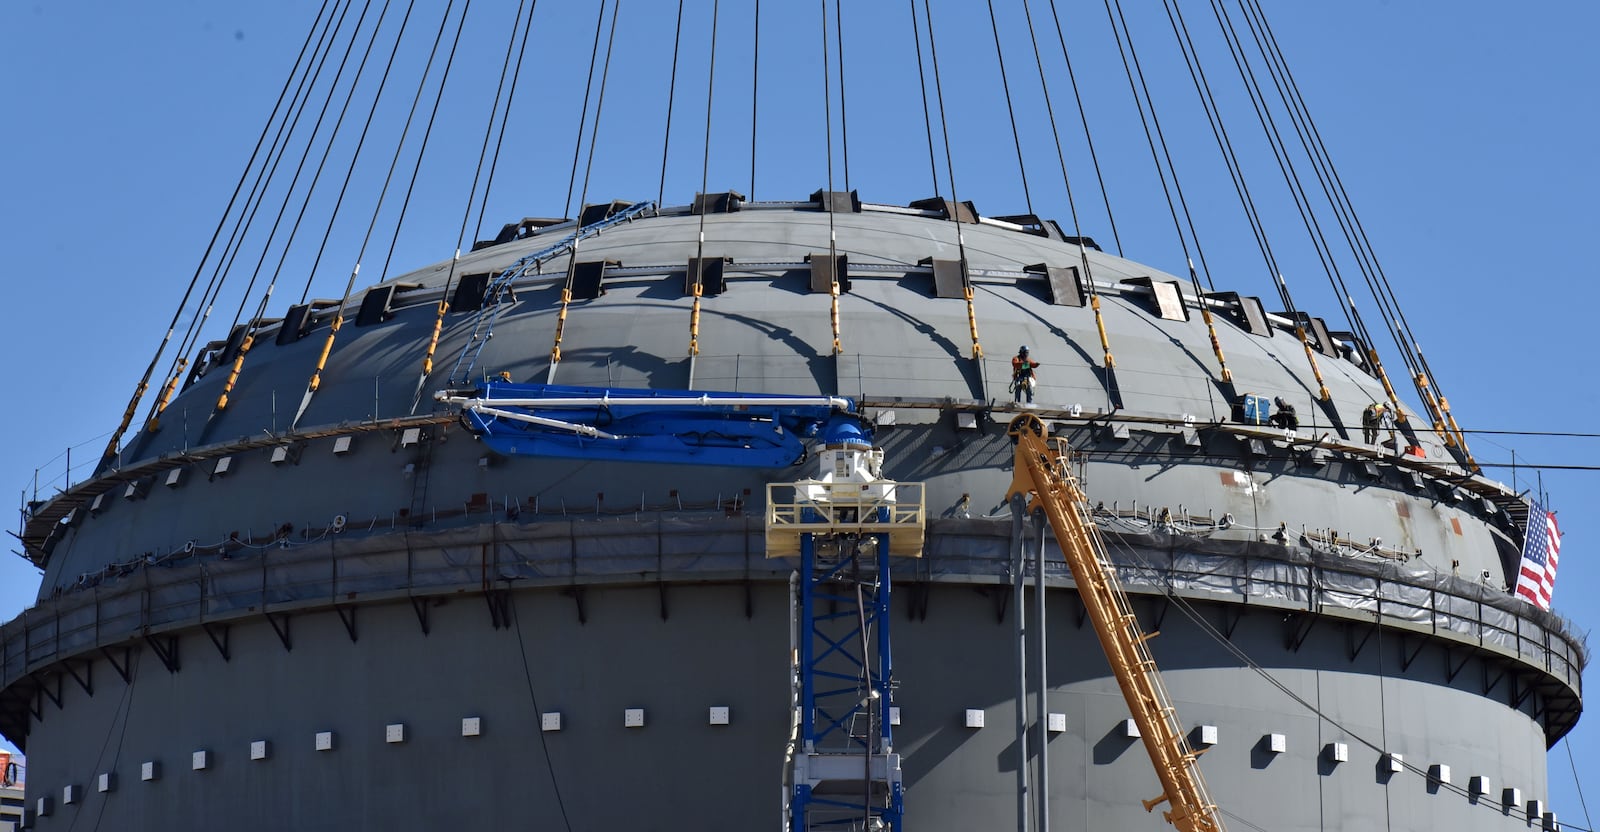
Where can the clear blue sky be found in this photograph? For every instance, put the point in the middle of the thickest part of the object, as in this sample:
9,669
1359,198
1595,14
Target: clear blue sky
1465,132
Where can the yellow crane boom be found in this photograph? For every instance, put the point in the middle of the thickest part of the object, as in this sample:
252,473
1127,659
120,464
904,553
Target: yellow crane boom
1043,472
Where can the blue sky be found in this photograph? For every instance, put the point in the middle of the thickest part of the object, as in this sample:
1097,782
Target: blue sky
1465,134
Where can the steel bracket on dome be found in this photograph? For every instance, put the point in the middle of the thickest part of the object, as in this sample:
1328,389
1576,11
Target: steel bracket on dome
1245,311
825,270
1064,284
420,607
845,202
86,681
281,629
588,278
166,648
727,202
1355,647
576,593
962,212
220,643
499,603
471,291
1300,630
44,688
707,271
951,278
347,616
123,668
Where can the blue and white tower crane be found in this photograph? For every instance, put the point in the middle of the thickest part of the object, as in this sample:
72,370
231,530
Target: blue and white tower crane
845,525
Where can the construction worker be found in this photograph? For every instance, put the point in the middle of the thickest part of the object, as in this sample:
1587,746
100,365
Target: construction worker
1022,375
1284,416
1371,419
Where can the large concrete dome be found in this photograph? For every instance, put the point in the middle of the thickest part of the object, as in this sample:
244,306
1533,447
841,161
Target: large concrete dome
247,579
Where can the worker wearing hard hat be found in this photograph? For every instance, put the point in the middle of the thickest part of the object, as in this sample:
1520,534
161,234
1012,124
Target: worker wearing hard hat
1022,375
1371,420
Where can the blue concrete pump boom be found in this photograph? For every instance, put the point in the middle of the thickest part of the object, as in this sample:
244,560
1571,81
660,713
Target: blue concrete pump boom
671,426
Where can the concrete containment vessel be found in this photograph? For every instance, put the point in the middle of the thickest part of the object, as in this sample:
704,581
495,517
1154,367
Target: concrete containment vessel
369,620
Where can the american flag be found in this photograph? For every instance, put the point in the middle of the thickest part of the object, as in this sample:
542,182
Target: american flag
1536,580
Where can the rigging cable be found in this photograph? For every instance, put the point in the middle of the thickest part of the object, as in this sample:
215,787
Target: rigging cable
1005,86
224,265
505,120
1177,187
583,113
827,200
1427,384
922,85
1283,288
527,676
672,97
1066,182
272,282
427,133
1302,203
225,259
703,203
1566,741
144,381
1303,206
1088,136
360,142
955,200
844,118
338,318
472,192
583,196
755,96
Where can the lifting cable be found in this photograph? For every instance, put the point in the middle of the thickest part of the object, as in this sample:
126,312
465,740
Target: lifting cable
427,133
844,118
1297,115
1283,288
1355,233
577,150
338,318
827,202
672,96
922,85
251,325
955,200
181,360
583,112
355,155
224,265
1005,86
1297,190
583,196
1088,136
1176,187
705,169
755,96
1066,181
472,192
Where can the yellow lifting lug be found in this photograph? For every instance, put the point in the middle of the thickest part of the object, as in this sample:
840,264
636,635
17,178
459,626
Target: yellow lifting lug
1151,804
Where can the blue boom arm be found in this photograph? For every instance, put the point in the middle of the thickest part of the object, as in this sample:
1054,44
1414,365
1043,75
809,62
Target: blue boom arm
669,426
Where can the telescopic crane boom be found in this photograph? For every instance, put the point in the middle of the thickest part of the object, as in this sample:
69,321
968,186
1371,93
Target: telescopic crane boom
1044,473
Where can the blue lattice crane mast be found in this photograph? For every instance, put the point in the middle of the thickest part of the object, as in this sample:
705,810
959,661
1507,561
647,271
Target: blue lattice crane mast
845,525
